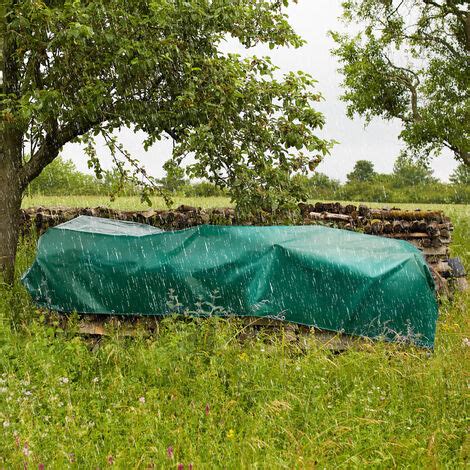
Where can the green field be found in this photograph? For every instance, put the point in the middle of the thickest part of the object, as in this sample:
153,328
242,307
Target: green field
134,203
194,394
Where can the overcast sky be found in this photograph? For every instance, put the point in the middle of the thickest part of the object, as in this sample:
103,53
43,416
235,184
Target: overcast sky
378,142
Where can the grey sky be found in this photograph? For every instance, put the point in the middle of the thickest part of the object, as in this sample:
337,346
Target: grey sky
379,142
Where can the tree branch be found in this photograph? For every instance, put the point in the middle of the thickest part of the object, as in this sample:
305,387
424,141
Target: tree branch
460,154
424,37
412,87
51,146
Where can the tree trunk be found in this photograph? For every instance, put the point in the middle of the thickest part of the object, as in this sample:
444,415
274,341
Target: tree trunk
11,147
11,191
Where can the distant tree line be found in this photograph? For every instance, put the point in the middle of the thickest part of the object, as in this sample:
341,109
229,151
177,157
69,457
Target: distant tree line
410,181
61,177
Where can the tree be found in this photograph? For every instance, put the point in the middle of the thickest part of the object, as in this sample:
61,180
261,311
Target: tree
461,175
363,171
321,181
411,61
76,69
62,177
408,172
174,180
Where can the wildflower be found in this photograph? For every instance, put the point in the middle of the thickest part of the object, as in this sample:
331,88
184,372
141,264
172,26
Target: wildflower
110,460
466,342
26,451
169,452
230,434
64,380
95,380
190,466
6,424
142,399
41,466
71,457
27,393
3,390
180,466
207,410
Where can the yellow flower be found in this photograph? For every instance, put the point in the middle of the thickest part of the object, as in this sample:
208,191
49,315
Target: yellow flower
230,434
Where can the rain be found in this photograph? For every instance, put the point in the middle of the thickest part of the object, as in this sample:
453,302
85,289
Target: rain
234,234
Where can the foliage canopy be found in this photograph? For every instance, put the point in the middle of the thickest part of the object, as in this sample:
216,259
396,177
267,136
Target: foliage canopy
363,171
410,61
157,66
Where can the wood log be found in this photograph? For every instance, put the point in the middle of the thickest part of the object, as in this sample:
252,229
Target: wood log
444,233
406,215
315,215
349,209
442,251
407,235
397,226
337,217
376,226
364,211
433,229
387,227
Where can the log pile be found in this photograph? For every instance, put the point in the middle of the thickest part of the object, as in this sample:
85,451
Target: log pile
430,231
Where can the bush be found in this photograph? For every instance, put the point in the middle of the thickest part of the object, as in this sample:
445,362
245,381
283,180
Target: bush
61,177
204,189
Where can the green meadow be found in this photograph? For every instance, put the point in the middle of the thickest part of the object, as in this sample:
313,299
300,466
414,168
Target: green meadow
193,395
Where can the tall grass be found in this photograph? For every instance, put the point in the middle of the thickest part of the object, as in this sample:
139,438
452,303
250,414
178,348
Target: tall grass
195,394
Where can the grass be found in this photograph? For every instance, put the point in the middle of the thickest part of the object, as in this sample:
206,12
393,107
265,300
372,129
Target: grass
193,394
122,203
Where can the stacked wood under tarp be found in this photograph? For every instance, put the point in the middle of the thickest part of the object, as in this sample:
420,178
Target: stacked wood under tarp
430,231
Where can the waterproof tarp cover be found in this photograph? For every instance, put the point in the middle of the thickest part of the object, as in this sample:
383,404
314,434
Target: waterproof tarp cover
328,278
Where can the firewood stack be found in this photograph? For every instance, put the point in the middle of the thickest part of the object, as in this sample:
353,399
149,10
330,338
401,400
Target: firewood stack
430,231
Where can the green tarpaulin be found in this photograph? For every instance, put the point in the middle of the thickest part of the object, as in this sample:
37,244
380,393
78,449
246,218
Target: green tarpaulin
328,278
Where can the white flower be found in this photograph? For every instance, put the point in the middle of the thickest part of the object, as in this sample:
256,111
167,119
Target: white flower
95,380
26,451
27,393
3,390
466,342
142,399
64,380
6,424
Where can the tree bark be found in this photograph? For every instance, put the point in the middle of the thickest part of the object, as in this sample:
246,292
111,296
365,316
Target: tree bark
11,191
